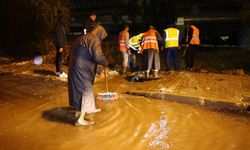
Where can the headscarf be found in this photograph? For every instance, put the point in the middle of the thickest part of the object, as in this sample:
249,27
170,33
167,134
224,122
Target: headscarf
99,31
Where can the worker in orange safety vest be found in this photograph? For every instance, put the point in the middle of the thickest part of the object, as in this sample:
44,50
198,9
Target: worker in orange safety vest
150,52
124,46
193,42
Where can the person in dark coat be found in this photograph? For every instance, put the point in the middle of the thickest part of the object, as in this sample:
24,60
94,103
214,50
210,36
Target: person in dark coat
60,41
84,57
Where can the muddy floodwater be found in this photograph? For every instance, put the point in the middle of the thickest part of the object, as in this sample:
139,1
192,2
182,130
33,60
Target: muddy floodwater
34,114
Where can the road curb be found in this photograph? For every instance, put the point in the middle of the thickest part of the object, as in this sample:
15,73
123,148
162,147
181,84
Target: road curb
218,104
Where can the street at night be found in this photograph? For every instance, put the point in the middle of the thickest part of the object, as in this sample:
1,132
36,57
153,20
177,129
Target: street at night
125,75
35,113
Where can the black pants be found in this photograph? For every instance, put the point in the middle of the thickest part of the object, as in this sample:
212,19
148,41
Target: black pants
59,58
190,55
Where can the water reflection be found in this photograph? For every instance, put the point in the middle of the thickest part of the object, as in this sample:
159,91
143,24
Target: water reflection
157,134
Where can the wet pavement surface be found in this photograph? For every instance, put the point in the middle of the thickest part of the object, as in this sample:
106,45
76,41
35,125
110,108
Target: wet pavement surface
34,114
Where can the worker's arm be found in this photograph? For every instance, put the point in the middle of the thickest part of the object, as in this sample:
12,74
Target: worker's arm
179,39
158,36
189,35
127,40
163,40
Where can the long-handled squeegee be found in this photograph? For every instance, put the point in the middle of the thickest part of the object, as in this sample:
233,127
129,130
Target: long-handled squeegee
107,95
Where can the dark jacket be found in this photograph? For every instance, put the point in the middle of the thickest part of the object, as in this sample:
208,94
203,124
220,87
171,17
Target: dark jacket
60,36
84,57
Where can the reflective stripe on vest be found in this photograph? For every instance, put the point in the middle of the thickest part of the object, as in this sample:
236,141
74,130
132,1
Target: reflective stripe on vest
172,37
195,38
122,44
149,40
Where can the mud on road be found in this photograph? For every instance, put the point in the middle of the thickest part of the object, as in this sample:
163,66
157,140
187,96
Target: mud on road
35,114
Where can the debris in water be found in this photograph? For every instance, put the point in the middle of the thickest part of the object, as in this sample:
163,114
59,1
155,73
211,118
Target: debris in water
166,90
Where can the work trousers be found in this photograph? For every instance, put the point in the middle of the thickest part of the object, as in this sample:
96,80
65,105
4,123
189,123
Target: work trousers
129,60
172,51
125,59
151,60
190,56
132,61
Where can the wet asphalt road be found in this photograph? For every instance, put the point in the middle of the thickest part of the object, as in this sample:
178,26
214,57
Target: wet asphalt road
34,114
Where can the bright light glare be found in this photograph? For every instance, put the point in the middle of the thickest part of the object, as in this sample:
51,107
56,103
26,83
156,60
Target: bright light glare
38,60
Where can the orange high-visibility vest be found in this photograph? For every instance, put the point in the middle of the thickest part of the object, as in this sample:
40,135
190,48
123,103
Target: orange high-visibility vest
149,40
195,38
122,42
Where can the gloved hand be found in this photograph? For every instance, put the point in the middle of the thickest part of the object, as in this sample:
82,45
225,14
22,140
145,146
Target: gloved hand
139,50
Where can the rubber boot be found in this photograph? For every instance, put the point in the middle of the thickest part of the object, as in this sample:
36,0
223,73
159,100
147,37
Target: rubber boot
147,74
155,74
